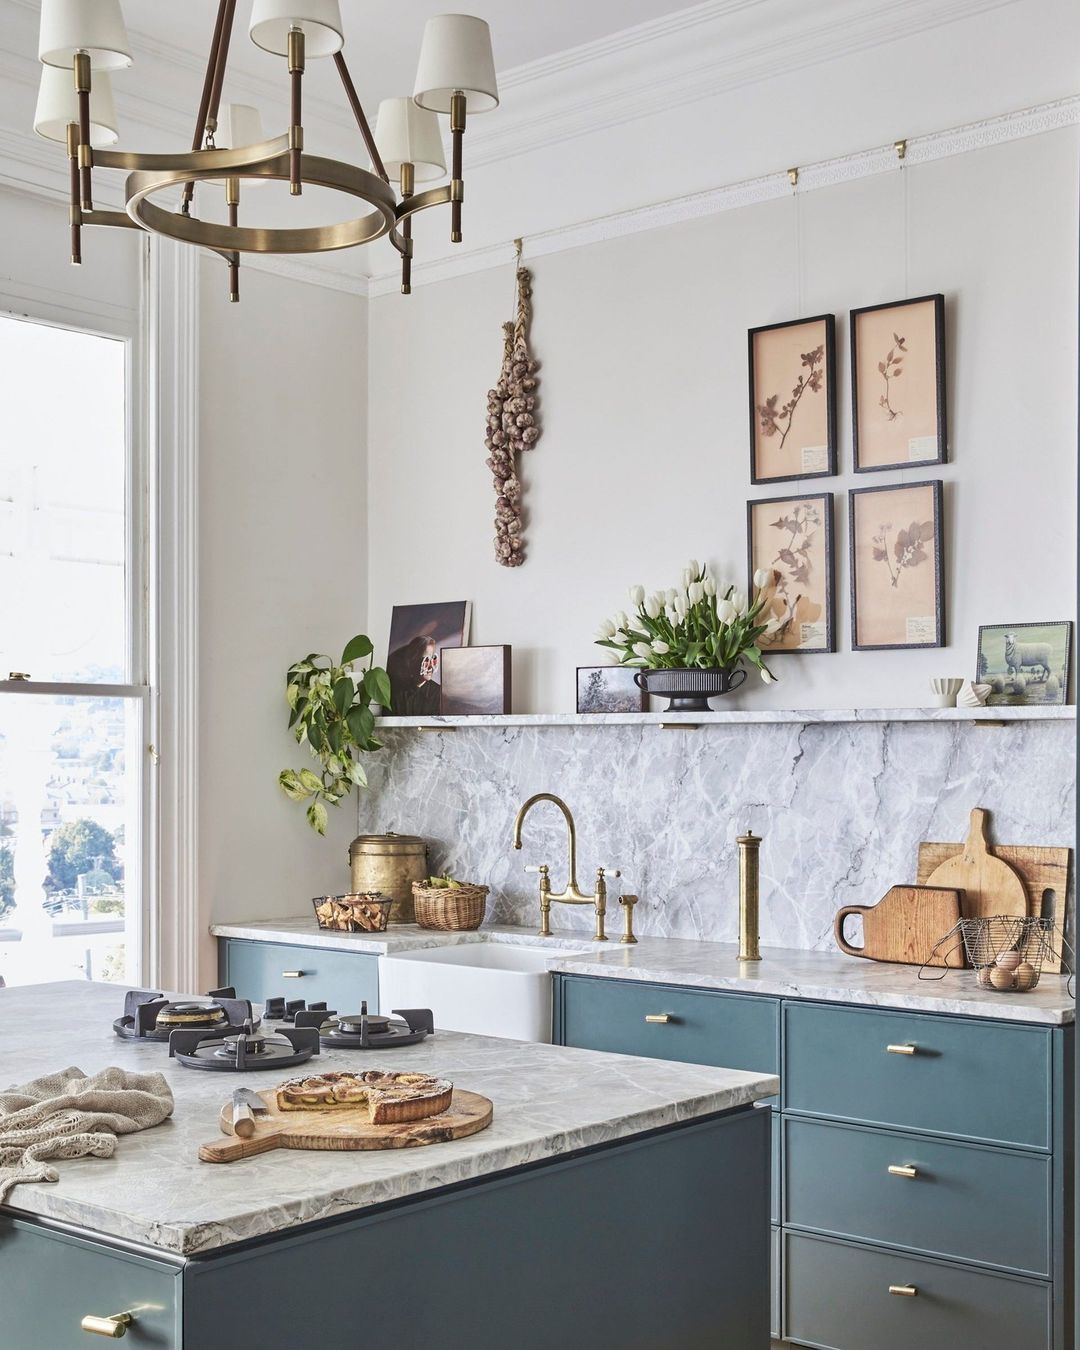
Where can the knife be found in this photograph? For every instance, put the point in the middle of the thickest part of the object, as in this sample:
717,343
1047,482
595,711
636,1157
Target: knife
245,1106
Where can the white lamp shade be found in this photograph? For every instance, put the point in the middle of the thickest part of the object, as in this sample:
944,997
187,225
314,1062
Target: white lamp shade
58,104
239,124
319,20
407,134
92,26
455,56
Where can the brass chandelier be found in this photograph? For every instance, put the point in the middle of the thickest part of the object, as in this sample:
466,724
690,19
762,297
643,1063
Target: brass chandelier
83,41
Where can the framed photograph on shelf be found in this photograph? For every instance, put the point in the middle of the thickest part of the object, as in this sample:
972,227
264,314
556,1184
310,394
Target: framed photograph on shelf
792,537
1024,663
898,384
475,680
609,689
417,632
793,399
897,566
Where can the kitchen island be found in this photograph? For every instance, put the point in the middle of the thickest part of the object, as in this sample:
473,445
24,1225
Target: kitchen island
613,1200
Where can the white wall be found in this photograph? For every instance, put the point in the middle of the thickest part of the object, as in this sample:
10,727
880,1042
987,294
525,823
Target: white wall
282,572
643,458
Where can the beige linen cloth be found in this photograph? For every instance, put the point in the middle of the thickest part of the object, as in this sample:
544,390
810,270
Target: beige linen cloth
71,1115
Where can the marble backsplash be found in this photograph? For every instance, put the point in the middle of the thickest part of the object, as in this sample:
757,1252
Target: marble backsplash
841,808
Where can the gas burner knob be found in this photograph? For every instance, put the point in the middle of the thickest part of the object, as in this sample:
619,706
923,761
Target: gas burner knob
274,1009
317,1007
292,1007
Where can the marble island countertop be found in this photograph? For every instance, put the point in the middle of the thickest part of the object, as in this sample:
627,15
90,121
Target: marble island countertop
786,973
549,1101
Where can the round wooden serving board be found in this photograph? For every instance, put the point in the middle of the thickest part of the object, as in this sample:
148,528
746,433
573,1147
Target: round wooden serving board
346,1129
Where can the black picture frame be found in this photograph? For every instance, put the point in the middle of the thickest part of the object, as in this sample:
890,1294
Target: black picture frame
642,696
939,567
826,498
939,381
829,324
1005,700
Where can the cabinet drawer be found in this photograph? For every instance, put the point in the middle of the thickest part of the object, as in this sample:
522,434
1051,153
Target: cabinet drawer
967,1201
836,1297
980,1080
73,1278
341,979
737,1031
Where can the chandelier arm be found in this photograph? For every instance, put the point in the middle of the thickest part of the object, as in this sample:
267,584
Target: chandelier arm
361,117
204,99
75,194
219,66
296,59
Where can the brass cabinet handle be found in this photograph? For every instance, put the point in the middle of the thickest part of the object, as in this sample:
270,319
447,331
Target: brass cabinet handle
904,1290
114,1327
658,1017
292,974
896,1170
907,1049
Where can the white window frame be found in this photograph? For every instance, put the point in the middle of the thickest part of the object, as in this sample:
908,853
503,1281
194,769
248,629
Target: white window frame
99,319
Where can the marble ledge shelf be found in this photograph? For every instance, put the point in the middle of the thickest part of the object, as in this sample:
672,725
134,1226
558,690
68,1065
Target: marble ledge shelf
763,716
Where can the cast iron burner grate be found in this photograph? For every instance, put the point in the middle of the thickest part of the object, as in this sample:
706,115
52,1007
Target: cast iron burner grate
152,1017
243,1049
369,1031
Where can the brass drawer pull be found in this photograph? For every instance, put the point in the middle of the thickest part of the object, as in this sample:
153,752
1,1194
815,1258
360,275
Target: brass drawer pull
659,1017
907,1049
896,1170
292,974
114,1327
904,1290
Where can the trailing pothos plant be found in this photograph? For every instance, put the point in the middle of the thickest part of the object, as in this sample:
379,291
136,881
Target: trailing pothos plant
330,710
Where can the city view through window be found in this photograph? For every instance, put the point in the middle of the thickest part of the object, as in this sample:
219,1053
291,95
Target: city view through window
70,761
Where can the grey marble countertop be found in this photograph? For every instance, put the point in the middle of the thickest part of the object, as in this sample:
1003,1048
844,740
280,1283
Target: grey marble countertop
549,1101
783,972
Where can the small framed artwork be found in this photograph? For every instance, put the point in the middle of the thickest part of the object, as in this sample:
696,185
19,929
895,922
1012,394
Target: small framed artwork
1024,663
416,634
793,399
898,384
897,567
792,538
609,689
475,680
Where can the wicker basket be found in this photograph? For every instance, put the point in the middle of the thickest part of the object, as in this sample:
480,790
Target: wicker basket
454,909
365,912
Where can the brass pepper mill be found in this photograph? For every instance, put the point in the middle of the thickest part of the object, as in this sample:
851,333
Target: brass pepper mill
748,896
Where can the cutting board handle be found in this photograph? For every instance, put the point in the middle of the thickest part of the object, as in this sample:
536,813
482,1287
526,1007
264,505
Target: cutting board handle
232,1150
977,841
838,929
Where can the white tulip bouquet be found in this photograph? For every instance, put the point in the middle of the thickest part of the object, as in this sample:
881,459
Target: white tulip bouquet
693,626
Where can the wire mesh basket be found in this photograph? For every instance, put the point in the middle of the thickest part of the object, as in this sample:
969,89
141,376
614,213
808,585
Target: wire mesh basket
1006,952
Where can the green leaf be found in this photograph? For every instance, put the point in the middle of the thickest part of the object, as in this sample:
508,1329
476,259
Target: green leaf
310,781
289,782
294,717
356,773
356,649
377,686
317,817
344,690
334,734
292,694
316,732
361,723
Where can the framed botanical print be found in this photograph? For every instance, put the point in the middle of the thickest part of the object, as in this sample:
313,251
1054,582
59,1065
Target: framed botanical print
1025,663
898,384
897,566
792,539
793,399
609,689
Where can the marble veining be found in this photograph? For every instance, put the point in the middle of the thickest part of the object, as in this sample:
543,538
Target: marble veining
824,976
549,1101
841,806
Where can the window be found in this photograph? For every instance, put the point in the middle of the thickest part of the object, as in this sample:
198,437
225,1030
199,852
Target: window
73,718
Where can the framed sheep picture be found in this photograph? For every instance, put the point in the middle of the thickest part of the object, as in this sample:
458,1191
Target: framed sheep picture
1024,663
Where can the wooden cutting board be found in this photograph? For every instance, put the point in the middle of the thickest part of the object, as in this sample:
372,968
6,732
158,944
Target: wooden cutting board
1043,870
346,1129
905,926
990,886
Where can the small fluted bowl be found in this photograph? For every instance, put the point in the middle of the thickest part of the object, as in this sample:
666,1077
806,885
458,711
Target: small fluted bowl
945,692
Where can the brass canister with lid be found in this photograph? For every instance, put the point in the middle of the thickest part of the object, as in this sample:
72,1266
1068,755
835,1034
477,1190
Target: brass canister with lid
389,863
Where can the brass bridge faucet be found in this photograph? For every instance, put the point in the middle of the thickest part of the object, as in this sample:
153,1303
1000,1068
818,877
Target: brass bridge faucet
572,895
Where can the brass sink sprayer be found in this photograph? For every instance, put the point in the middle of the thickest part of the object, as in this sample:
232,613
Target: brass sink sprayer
573,895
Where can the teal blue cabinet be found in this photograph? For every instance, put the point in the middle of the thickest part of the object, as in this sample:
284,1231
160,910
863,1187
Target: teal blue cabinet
912,1151
262,970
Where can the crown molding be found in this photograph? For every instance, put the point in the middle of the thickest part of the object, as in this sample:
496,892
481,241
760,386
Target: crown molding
696,206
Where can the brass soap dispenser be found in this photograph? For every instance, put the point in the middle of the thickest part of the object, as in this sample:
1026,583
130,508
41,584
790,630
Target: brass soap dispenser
749,844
